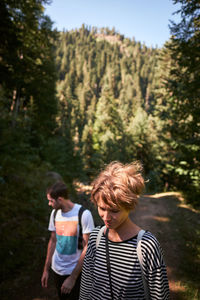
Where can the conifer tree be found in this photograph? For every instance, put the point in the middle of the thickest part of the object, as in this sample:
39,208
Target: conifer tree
180,104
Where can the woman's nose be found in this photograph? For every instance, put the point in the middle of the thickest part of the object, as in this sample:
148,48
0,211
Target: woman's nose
107,215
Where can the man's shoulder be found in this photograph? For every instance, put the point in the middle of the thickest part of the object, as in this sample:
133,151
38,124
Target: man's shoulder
77,206
81,208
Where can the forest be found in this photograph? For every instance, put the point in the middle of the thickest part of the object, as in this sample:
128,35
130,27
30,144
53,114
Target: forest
73,101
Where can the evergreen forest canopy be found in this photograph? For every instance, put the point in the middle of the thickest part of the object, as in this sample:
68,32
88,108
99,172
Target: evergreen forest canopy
73,101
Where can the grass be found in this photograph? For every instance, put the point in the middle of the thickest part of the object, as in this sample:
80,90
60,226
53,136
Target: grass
186,224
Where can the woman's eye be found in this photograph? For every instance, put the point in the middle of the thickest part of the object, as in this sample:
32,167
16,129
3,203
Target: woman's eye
101,208
114,211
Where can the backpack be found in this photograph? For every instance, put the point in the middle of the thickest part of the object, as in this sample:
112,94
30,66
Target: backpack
80,238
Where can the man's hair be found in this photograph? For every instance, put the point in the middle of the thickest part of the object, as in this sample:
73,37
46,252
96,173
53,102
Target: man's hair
119,185
58,189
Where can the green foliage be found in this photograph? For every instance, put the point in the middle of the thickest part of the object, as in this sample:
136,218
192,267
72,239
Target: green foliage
180,108
108,131
27,116
186,222
72,101
24,213
27,65
103,80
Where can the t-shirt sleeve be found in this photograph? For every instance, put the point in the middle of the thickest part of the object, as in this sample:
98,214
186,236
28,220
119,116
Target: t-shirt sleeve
51,222
155,269
87,222
87,276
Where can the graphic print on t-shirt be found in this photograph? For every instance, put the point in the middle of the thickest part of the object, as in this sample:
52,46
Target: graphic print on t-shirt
66,234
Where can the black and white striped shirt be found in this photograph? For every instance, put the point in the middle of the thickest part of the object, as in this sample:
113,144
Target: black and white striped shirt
125,270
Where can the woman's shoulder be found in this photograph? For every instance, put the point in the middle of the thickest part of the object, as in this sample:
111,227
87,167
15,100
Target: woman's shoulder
96,232
94,236
149,238
149,235
150,244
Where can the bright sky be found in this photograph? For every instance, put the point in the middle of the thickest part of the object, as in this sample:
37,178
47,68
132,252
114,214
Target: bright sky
145,20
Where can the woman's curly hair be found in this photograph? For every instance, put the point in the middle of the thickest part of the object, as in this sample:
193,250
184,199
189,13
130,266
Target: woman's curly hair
119,185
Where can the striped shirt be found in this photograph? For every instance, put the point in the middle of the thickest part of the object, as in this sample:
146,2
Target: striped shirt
126,275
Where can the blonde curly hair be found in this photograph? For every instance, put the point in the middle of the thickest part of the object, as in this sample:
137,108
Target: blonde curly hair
119,185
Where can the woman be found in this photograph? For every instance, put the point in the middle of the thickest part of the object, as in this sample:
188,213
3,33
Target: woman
111,267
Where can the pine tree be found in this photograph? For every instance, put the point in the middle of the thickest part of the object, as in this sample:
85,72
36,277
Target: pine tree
181,100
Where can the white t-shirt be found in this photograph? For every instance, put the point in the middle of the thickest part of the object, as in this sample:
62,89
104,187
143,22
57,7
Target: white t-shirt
66,254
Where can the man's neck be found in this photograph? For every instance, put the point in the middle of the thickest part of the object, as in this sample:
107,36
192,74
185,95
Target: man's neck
67,205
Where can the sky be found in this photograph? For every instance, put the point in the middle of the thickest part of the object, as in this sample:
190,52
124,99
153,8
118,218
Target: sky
147,21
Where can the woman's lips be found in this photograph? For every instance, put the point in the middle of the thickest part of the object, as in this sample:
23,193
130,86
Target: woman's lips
108,224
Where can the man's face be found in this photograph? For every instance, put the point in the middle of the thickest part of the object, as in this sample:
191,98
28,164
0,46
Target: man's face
52,202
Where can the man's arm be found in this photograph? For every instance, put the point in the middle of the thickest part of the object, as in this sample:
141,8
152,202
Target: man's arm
50,251
69,283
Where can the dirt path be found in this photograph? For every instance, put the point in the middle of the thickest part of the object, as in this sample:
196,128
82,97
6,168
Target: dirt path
159,214
163,214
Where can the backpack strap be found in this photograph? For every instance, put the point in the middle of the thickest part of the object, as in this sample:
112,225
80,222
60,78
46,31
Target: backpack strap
140,258
80,238
100,233
54,215
108,264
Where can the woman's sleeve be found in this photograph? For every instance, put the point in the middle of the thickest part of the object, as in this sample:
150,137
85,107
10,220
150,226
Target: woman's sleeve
155,269
87,270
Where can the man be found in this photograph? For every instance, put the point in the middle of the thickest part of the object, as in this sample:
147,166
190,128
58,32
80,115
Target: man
63,255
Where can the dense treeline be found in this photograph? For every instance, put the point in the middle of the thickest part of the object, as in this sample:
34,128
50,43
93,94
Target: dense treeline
106,90
73,101
28,109
179,104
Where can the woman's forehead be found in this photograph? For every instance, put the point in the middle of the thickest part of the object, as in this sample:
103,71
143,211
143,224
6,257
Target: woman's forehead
101,203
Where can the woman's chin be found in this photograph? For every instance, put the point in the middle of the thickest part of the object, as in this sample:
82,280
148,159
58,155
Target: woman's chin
109,225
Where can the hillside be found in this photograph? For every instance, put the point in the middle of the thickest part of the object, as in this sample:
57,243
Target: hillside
76,100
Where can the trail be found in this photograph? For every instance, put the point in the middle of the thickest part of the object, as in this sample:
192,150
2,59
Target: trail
155,213
158,213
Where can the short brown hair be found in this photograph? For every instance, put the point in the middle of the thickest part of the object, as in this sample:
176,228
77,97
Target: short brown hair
58,189
119,185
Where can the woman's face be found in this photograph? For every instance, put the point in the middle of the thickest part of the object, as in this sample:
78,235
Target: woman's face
113,217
